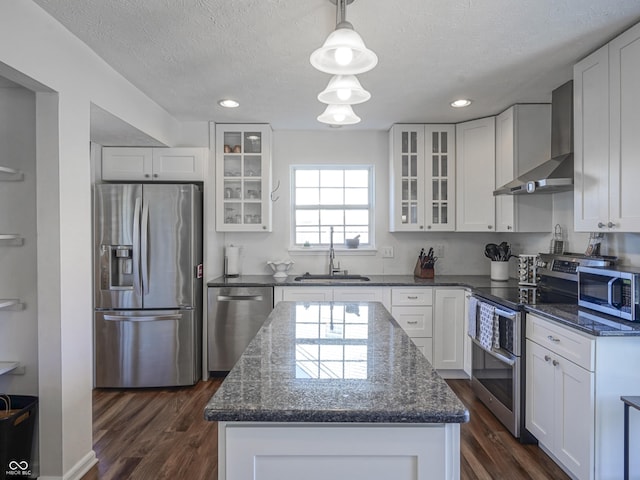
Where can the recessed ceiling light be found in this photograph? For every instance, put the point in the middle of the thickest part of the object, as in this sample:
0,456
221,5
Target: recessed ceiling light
228,103
463,102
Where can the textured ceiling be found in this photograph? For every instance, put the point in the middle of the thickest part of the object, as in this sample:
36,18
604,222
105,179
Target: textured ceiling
187,54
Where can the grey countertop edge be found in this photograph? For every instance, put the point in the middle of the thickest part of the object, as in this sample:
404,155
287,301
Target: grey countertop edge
350,417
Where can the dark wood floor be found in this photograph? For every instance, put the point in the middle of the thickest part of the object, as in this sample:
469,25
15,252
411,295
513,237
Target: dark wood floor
161,434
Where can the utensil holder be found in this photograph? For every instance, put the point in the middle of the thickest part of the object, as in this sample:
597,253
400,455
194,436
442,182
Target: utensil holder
500,271
420,272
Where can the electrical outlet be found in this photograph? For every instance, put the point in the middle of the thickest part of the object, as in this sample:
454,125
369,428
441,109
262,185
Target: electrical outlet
439,251
387,252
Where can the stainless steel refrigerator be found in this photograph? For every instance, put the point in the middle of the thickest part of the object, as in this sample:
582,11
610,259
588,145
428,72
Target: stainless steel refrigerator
148,285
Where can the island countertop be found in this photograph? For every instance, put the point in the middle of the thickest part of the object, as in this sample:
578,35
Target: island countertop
334,362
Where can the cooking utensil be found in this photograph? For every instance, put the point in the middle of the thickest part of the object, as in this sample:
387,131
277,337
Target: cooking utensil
491,251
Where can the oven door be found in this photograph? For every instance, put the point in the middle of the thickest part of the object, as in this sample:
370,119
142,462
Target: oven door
495,379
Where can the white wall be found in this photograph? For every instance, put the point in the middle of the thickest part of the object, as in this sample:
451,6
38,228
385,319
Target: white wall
37,52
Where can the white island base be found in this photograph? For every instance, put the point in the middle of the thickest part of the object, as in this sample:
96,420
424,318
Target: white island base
338,451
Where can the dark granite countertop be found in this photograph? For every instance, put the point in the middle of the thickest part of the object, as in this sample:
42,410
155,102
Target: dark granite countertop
593,323
471,281
334,362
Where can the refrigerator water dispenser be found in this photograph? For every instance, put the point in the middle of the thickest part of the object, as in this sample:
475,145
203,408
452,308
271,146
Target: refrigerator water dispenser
117,270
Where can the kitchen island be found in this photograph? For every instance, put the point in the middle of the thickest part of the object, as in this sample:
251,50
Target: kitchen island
335,390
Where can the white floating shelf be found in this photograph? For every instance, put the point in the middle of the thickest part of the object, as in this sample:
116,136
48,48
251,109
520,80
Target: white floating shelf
11,304
10,175
6,367
11,239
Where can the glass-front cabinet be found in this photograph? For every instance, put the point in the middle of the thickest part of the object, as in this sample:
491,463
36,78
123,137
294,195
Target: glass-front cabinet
243,178
422,178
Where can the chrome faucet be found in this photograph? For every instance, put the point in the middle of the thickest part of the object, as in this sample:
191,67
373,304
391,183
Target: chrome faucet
332,255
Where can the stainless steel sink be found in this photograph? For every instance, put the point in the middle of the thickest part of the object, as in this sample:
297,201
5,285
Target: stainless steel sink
310,277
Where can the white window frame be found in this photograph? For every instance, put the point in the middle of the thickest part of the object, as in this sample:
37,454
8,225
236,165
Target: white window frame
363,248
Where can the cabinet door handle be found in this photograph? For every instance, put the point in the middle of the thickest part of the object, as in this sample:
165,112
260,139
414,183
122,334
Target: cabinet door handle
547,358
611,224
553,339
555,363
601,225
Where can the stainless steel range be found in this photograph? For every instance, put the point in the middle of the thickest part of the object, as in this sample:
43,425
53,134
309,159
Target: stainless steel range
497,329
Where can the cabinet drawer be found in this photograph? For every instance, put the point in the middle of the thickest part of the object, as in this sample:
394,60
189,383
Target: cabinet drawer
411,296
570,344
416,321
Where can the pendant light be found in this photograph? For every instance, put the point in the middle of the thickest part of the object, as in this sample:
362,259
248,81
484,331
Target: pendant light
344,90
339,115
344,51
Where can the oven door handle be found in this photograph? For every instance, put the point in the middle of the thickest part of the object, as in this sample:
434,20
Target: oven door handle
511,361
507,314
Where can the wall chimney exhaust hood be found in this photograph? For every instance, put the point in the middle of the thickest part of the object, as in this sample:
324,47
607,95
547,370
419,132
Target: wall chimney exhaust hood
555,174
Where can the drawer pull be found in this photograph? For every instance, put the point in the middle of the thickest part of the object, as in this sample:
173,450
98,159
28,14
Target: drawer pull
553,339
412,322
414,297
555,363
547,358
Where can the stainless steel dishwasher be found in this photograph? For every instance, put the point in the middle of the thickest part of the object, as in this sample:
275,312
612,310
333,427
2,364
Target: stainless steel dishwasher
235,314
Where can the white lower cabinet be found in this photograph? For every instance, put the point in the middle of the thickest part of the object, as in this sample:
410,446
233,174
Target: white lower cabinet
276,451
328,294
413,310
302,294
448,330
560,408
434,318
573,389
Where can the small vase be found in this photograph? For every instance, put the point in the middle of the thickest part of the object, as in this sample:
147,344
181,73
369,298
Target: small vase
500,271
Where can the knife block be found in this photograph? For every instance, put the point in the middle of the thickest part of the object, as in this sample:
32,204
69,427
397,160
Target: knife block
423,272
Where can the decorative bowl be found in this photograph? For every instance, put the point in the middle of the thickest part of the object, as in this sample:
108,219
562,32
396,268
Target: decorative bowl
353,242
280,267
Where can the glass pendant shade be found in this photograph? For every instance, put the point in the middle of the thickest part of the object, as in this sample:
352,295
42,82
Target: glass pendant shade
339,115
344,53
344,90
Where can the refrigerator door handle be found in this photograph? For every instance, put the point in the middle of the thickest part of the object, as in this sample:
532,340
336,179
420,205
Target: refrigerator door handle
136,248
145,318
145,247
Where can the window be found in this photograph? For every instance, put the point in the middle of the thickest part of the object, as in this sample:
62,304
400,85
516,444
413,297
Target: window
332,196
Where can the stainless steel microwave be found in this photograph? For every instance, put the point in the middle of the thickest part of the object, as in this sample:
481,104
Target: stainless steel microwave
611,291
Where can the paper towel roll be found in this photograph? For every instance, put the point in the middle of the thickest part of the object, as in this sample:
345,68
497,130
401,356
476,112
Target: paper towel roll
232,261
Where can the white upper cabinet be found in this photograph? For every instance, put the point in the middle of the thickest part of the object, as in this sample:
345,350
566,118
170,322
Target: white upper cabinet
440,161
624,159
591,141
406,175
475,175
140,164
607,115
243,178
523,141
422,181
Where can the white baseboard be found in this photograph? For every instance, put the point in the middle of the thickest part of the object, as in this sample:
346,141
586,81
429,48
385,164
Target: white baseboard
79,469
